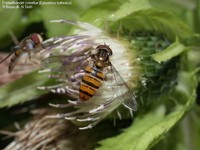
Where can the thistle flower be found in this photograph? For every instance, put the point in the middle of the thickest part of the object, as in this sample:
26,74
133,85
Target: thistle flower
41,133
71,54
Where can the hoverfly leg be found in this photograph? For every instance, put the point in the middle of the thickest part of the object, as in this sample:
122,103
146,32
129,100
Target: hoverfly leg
34,61
29,55
26,60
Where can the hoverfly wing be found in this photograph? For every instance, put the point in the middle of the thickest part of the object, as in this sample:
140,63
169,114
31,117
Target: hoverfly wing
115,92
68,63
67,69
54,66
54,63
64,63
13,63
123,93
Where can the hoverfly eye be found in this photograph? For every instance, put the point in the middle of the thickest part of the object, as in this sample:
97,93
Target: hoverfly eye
98,47
36,38
109,50
110,53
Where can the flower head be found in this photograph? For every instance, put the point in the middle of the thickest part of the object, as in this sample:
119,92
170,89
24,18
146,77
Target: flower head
73,64
40,133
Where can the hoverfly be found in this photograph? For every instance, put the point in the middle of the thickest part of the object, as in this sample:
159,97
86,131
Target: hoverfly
25,46
94,75
90,78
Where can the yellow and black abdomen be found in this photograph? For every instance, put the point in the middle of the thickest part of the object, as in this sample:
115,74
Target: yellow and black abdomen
14,60
90,83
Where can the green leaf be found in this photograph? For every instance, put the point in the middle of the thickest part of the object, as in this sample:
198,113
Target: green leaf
194,121
182,9
160,21
22,90
9,19
148,130
130,137
173,50
87,4
137,15
67,12
145,132
99,13
59,13
130,7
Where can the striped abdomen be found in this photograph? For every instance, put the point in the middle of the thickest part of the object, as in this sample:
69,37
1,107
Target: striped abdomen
91,81
14,60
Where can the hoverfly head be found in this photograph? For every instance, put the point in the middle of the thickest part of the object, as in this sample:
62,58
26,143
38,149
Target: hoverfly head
105,48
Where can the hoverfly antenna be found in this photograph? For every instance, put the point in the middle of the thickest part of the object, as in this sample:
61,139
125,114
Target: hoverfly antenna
13,37
6,57
106,44
109,49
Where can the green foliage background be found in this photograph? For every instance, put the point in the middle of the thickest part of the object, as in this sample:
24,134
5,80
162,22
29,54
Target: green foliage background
170,120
